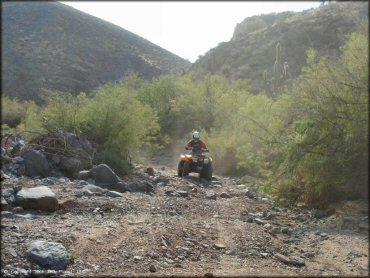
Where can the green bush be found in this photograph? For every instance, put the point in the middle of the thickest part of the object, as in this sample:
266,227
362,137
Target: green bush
325,157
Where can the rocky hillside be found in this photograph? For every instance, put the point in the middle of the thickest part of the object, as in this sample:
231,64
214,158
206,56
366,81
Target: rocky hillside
48,45
252,49
152,221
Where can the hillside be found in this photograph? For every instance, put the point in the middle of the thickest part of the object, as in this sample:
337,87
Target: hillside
52,46
251,50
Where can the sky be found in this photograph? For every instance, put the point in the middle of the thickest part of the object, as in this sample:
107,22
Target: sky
187,29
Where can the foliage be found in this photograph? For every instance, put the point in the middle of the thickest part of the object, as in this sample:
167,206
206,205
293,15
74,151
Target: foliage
19,116
119,124
72,258
325,155
12,112
114,120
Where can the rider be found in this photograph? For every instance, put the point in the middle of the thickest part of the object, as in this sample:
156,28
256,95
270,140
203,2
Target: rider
196,144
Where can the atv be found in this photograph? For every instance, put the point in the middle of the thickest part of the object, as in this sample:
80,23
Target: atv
195,162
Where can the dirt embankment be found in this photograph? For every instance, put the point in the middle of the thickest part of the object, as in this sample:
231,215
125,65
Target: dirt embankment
187,227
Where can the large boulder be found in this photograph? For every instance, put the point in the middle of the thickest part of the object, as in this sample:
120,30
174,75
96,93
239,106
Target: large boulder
39,198
48,255
36,164
104,176
78,142
71,165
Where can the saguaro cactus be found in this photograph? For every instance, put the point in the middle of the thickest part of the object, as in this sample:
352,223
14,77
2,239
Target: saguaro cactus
280,72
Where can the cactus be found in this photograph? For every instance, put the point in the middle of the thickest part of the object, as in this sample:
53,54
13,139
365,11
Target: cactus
285,69
280,73
265,76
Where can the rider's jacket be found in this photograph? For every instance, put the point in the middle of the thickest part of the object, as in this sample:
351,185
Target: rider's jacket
195,145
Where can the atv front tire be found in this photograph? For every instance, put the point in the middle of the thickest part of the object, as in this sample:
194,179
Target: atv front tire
180,168
207,172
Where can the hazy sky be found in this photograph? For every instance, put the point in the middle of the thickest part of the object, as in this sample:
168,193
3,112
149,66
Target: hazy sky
187,29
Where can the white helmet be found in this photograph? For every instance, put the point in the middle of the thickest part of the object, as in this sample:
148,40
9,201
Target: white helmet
196,135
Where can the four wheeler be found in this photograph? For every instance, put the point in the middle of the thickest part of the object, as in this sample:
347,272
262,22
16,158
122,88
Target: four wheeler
195,162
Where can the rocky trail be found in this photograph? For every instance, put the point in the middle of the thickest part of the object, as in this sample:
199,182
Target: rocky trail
183,227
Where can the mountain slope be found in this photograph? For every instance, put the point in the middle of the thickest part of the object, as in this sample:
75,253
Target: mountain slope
48,45
251,50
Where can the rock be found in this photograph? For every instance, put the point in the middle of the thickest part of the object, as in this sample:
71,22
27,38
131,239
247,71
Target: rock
85,192
309,254
94,188
5,159
9,195
4,204
250,219
78,142
231,252
295,260
259,221
49,255
152,268
104,175
12,252
17,210
83,182
169,192
138,258
83,175
161,179
40,197
194,190
114,194
267,226
91,181
363,226
317,213
282,258
36,164
18,160
6,214
63,180
4,176
183,193
150,171
264,255
249,193
50,181
275,230
140,186
355,253
55,159
270,216
241,186
324,236
286,230
211,196
71,165
219,246
224,195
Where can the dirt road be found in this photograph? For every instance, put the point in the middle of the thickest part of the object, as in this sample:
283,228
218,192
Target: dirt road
189,227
